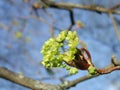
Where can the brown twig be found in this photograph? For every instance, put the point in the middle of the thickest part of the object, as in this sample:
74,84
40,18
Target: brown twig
78,80
115,66
68,6
108,69
36,85
51,25
25,81
115,6
115,26
71,20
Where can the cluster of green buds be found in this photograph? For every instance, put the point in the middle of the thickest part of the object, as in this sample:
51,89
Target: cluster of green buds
53,56
92,70
72,40
51,53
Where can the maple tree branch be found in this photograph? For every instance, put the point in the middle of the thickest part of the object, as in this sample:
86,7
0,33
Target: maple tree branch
68,6
25,81
115,6
71,15
115,65
115,26
37,85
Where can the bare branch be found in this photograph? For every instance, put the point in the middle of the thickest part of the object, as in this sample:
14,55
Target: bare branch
105,70
115,26
71,19
116,6
25,81
37,85
68,6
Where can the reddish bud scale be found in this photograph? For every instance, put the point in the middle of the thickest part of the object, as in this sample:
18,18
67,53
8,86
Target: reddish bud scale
82,59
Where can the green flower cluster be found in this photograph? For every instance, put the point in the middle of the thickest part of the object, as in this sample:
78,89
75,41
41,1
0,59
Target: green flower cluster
72,43
71,70
52,54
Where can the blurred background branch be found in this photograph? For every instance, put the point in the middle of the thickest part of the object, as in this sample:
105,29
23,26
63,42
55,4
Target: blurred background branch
67,6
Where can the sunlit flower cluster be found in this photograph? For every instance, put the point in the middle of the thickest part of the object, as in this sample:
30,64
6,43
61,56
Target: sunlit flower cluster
53,56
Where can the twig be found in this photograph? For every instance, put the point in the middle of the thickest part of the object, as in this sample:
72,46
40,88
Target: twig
71,20
25,81
68,6
116,6
52,23
72,17
107,69
115,26
79,80
36,85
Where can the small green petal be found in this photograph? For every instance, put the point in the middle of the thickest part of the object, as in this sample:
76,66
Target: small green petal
73,71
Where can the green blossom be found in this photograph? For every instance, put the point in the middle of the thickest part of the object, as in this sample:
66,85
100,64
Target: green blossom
61,36
73,71
52,54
